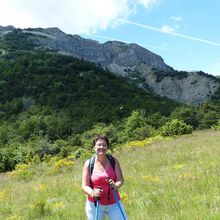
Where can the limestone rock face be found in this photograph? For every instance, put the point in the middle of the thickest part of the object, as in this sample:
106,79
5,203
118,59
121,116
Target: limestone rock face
108,55
186,87
138,64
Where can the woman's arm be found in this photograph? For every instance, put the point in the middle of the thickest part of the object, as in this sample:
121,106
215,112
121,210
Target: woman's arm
86,180
119,176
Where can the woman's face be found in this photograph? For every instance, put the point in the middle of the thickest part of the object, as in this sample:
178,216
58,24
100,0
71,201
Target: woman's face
101,146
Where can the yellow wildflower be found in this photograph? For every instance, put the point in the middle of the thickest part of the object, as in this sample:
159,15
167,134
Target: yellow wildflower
40,187
178,166
58,205
65,163
124,197
137,144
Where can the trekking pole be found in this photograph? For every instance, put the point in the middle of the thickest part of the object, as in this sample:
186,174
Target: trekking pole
116,199
97,201
97,209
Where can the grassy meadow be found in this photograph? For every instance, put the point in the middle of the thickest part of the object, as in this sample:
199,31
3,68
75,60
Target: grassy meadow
170,179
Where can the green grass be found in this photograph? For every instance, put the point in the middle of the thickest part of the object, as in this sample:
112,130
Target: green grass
175,179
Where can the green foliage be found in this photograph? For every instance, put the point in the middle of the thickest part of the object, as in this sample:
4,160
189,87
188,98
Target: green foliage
187,115
12,154
99,129
156,120
80,89
31,126
160,75
54,105
47,98
209,114
23,171
216,126
136,127
209,119
175,127
16,39
5,133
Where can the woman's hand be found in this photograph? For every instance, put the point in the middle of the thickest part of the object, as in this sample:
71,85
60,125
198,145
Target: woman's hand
112,184
97,192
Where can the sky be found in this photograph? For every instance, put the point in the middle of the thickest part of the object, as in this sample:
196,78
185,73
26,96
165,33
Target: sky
185,33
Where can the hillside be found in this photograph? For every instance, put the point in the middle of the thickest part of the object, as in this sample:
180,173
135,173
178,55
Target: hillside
169,179
146,69
53,104
63,83
48,101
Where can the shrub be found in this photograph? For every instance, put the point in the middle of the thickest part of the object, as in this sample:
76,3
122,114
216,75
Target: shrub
209,119
187,115
136,128
175,127
23,171
63,165
156,120
142,132
99,128
217,126
10,155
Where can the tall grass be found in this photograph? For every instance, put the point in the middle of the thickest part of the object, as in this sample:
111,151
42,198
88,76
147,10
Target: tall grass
175,179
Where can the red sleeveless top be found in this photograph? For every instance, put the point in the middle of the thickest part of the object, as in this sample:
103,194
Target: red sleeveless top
98,180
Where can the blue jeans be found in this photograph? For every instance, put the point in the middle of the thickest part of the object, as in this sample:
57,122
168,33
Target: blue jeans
112,211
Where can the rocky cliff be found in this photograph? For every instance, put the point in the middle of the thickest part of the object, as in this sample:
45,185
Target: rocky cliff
136,63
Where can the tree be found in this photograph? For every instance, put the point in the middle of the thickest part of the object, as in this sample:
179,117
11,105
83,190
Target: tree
175,127
186,114
136,127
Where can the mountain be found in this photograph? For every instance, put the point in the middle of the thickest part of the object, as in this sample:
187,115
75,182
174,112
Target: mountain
53,102
146,69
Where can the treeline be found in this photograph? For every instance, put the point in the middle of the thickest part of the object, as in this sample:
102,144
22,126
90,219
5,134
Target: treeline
52,104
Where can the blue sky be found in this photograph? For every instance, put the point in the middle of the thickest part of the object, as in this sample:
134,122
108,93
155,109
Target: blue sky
185,33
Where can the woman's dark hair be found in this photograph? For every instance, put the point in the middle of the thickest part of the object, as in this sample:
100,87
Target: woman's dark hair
103,137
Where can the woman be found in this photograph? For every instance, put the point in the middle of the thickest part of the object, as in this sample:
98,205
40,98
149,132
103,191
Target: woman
98,184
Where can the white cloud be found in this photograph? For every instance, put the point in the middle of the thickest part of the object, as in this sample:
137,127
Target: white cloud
146,3
167,29
72,16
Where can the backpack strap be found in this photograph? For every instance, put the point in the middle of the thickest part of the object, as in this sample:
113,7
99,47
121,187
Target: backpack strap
112,160
92,162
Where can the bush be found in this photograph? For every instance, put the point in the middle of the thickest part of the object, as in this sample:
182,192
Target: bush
136,127
187,115
23,171
217,126
209,119
175,127
156,120
99,128
142,133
